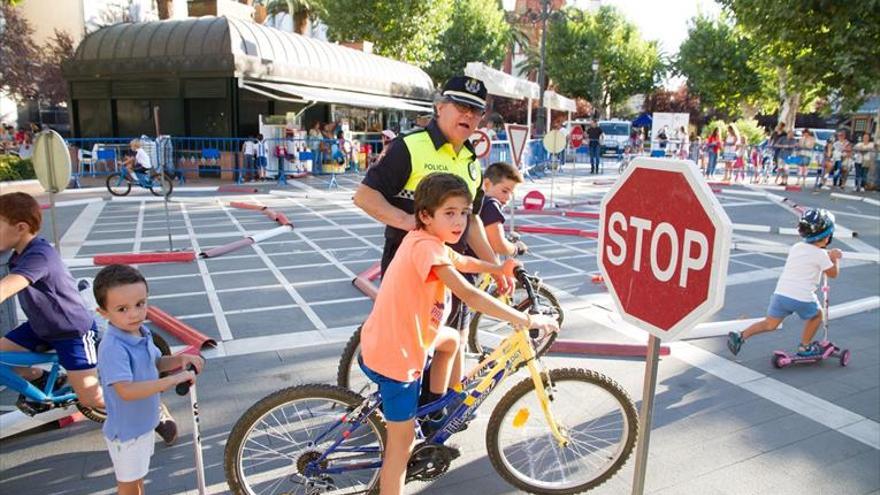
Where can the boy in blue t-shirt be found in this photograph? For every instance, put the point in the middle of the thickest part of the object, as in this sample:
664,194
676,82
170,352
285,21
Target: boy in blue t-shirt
499,182
129,365
56,316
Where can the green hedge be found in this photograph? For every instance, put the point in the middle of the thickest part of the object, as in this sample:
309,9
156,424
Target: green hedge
14,168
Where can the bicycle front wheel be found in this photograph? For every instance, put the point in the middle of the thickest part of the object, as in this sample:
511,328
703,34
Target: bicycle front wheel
118,184
275,441
592,411
487,332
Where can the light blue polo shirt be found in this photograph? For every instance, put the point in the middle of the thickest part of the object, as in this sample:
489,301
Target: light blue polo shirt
123,357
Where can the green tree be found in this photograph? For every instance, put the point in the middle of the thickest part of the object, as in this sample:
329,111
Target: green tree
407,31
302,11
628,64
477,32
817,48
718,63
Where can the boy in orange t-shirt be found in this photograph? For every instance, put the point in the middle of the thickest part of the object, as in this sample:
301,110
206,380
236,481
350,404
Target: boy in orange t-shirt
405,322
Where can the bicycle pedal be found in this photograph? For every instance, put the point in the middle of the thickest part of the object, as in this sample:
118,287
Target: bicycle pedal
30,407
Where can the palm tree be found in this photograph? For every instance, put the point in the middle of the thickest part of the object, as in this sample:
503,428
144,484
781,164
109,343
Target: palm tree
302,11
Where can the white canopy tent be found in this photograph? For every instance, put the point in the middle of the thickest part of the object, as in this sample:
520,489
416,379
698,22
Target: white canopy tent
503,84
555,101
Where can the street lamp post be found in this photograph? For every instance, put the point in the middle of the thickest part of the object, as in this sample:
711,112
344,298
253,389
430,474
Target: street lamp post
595,68
539,118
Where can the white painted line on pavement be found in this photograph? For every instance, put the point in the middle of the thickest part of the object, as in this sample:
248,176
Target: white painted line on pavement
76,202
752,227
139,229
297,297
721,328
830,415
847,255
213,300
76,235
871,201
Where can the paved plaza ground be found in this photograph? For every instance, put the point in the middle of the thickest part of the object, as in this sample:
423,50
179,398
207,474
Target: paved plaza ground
282,310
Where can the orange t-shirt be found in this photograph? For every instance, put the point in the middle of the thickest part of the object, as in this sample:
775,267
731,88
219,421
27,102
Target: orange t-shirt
411,305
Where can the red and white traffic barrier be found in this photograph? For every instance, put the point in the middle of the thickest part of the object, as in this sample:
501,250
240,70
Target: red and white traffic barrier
364,280
603,349
247,206
226,248
140,258
560,213
181,331
535,229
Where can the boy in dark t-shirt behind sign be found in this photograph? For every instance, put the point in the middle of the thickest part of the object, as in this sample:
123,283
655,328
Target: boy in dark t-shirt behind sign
499,182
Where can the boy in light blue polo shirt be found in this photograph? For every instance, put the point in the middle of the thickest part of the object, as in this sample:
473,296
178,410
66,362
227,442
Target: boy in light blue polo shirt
128,366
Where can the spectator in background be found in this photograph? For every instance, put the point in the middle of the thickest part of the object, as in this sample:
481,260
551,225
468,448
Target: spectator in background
694,150
840,150
249,149
684,144
663,137
807,145
594,138
731,139
775,137
713,144
863,156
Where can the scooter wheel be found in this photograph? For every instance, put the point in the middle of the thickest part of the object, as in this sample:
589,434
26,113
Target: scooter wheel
844,357
780,362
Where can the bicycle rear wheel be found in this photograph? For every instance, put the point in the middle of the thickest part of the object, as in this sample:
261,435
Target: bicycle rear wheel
349,374
118,184
278,437
594,413
487,332
157,186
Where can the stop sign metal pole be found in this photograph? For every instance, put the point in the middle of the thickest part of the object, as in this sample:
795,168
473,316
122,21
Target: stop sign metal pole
162,177
645,415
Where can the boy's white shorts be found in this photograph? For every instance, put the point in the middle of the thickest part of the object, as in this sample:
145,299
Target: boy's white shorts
131,458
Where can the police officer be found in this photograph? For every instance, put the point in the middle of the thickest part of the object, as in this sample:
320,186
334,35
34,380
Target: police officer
387,191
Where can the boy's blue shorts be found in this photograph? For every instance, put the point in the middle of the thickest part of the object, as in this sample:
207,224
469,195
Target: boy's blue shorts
74,354
781,306
400,400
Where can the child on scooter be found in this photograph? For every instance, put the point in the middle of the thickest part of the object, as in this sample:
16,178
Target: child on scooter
406,319
796,289
128,366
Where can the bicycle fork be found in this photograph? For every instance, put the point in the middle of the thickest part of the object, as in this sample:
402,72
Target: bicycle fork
545,398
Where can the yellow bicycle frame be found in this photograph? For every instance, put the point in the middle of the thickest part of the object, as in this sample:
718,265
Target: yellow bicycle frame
515,350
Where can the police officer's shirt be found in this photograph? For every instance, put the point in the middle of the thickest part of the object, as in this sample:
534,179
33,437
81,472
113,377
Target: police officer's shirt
412,156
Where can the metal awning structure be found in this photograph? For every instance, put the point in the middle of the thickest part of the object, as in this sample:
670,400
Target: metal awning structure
226,47
555,101
501,83
309,94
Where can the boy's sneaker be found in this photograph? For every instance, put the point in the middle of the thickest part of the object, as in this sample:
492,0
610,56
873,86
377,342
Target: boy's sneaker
734,342
810,350
167,427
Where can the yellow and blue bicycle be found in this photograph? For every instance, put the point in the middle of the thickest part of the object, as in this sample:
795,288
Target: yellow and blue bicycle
560,431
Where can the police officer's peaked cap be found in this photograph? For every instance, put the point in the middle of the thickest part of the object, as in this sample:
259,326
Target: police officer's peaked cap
465,90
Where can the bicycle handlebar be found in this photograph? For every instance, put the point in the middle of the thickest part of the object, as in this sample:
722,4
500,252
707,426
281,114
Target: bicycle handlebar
182,388
523,278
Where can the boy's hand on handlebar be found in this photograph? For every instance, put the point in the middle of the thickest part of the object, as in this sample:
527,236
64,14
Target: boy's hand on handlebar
835,254
521,248
508,266
183,376
196,361
545,323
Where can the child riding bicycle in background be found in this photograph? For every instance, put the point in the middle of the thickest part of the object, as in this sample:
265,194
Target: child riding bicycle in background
405,323
139,162
499,182
56,316
129,365
796,289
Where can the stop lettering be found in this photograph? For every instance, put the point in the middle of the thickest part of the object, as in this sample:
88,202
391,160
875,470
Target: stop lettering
663,246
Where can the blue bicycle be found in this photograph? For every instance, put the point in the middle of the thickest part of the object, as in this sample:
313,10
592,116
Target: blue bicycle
119,183
56,392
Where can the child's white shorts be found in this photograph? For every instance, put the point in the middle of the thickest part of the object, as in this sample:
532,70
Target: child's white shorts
131,458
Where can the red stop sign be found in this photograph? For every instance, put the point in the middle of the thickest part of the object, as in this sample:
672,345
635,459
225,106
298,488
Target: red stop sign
577,136
664,243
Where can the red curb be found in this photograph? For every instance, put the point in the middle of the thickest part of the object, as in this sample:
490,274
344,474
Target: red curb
581,214
603,349
181,331
246,206
138,258
793,188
